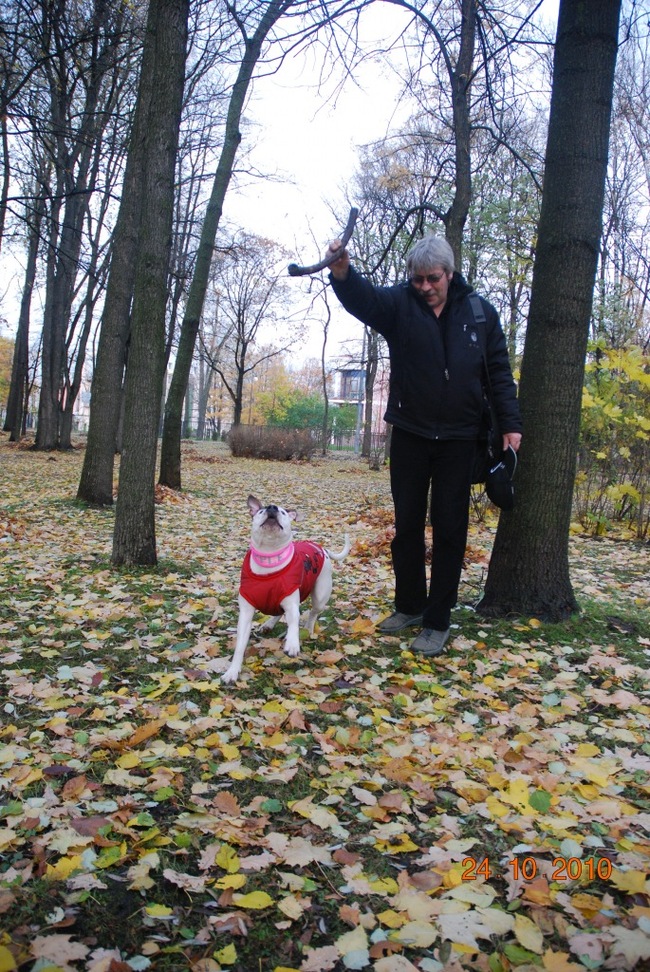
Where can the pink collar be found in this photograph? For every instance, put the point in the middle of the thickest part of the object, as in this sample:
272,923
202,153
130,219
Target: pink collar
279,558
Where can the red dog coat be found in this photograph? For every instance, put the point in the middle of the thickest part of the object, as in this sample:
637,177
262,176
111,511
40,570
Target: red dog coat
266,591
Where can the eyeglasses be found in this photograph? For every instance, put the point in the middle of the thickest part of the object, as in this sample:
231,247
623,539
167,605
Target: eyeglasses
431,278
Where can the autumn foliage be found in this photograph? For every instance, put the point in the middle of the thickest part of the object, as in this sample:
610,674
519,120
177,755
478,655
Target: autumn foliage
353,808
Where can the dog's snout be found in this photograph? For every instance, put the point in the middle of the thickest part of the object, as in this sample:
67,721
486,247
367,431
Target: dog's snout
272,511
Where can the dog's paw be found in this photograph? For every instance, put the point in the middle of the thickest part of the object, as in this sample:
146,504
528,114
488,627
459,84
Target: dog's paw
292,650
230,675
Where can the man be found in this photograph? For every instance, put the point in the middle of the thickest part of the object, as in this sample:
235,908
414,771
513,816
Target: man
435,405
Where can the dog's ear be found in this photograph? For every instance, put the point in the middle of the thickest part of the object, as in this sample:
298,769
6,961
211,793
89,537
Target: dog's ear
253,505
295,515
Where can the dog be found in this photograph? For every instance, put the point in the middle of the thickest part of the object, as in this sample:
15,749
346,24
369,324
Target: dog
277,575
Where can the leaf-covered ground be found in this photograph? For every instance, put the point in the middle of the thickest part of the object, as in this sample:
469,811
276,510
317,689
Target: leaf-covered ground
354,808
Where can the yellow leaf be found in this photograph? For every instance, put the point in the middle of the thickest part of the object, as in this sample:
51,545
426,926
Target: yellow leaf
241,773
405,846
528,934
453,877
158,911
128,761
517,796
146,731
63,868
384,886
496,808
234,881
363,626
226,956
7,837
256,900
634,882
598,772
587,749
7,961
227,859
277,739
588,904
229,752
391,919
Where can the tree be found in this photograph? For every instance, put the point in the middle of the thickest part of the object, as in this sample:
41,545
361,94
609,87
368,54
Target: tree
83,81
18,390
159,102
252,295
170,460
529,571
107,393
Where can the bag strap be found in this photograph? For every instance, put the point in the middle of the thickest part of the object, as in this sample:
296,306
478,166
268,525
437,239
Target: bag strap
477,307
479,318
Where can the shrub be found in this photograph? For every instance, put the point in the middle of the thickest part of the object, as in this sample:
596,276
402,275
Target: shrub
613,482
268,442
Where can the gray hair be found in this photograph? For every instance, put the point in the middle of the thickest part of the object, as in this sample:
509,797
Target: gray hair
429,252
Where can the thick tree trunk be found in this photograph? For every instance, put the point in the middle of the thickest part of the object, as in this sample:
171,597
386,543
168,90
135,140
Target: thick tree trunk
134,538
170,458
529,571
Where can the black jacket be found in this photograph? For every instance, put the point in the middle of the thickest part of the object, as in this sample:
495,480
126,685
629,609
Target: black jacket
436,363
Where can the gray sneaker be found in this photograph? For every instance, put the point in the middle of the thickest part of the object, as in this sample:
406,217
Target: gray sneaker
398,621
430,642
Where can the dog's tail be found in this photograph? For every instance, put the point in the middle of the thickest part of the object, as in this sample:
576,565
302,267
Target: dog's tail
342,554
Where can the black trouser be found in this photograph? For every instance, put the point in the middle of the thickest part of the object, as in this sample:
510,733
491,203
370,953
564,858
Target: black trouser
446,466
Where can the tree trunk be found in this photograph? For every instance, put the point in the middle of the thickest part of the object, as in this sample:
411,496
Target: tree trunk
460,77
20,366
106,394
205,385
529,571
170,458
160,97
323,375
372,363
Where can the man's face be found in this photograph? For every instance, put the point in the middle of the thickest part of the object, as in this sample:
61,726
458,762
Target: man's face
433,287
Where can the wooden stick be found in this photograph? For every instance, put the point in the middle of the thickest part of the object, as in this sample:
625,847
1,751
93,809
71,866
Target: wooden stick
296,271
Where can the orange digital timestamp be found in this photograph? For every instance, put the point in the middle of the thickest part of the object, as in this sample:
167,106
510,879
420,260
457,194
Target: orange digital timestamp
526,869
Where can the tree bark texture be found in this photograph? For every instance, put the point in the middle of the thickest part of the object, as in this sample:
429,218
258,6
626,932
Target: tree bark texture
529,570
170,458
134,538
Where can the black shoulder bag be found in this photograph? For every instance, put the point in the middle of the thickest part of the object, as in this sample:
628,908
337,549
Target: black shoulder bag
492,465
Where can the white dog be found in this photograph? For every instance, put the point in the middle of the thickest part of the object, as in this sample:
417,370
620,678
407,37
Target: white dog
279,573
